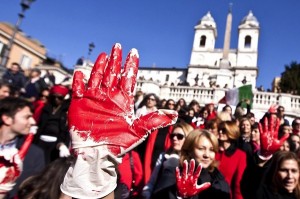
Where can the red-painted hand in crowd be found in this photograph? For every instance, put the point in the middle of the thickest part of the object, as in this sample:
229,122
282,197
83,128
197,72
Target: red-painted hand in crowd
103,126
103,112
187,183
11,163
269,137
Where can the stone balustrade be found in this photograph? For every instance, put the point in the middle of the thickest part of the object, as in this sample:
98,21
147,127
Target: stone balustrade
261,100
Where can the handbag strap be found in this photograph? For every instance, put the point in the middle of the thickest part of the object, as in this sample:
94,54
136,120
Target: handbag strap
132,169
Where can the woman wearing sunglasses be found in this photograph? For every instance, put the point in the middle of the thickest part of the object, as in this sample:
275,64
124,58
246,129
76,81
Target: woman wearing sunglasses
232,161
52,135
199,148
168,158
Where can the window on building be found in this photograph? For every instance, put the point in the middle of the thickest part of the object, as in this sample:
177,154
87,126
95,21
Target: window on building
25,62
167,78
247,42
2,47
202,41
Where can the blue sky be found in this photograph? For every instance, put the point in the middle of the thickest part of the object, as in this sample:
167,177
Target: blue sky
162,30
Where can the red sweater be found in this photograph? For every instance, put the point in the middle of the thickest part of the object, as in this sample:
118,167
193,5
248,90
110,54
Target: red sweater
126,173
232,166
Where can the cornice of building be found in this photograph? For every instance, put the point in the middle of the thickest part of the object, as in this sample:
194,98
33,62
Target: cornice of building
34,46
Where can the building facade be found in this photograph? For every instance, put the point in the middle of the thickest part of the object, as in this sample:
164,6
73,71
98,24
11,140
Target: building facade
26,51
213,67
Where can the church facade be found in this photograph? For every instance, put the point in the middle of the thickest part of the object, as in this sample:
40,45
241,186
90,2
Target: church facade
213,67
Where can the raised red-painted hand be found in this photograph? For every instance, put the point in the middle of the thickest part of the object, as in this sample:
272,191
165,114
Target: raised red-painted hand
102,113
269,136
187,183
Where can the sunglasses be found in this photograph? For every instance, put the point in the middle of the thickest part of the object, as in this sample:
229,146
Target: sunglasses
152,99
59,97
178,135
45,96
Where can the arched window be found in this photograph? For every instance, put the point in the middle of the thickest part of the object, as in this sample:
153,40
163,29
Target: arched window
202,41
167,77
247,42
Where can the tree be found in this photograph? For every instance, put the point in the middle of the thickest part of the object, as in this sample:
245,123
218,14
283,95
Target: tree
290,81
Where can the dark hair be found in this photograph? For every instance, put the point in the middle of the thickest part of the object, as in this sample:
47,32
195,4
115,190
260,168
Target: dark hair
255,126
211,124
6,84
11,105
16,64
36,70
226,106
167,103
147,97
46,185
294,121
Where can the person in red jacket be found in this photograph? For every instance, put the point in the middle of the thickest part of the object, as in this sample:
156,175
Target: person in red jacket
211,111
130,181
40,103
232,160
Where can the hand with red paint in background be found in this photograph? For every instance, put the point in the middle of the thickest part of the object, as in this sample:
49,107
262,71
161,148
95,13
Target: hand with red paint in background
11,163
187,182
103,126
269,137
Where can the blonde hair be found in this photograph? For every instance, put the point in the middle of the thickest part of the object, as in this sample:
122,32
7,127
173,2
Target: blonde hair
185,127
230,129
191,141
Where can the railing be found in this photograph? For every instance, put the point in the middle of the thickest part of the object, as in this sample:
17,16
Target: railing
261,100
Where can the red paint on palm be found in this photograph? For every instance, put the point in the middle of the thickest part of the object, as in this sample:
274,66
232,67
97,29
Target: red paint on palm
187,183
269,136
102,113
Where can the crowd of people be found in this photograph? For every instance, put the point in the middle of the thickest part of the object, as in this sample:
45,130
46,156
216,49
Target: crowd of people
201,154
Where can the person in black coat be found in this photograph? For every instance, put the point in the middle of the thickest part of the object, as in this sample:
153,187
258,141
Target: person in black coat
14,77
53,136
33,163
201,146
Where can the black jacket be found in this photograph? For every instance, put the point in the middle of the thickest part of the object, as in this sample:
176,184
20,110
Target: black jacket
63,135
16,81
33,163
166,187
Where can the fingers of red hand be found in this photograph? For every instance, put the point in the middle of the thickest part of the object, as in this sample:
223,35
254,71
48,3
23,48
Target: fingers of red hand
284,138
277,127
198,171
266,125
112,71
154,120
178,176
185,169
78,86
203,186
24,149
98,72
272,123
192,168
128,78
